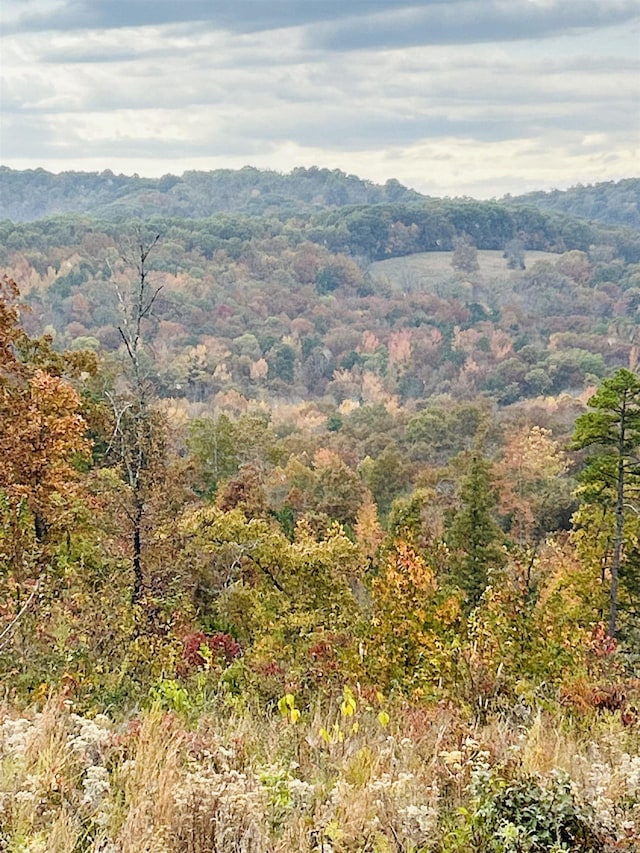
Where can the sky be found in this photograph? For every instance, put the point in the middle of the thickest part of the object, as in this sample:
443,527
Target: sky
451,97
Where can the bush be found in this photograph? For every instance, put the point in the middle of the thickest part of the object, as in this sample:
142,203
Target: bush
529,815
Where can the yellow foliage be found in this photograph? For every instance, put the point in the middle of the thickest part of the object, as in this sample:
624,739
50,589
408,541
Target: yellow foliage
410,625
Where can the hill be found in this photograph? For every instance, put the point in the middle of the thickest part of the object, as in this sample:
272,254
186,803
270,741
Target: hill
341,305
330,480
616,203
33,194
29,195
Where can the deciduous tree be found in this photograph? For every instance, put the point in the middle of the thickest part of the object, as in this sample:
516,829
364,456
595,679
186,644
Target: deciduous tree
43,437
138,441
465,255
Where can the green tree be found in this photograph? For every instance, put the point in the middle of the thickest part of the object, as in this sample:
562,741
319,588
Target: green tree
387,476
212,445
611,477
474,536
282,361
270,592
465,255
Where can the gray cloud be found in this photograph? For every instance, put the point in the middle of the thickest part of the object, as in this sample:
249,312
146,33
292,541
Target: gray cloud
339,25
471,22
392,87
232,15
326,106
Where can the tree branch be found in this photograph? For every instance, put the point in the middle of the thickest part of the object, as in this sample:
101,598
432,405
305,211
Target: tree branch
20,613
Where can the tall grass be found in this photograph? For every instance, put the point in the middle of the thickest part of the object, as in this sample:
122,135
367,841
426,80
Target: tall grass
342,779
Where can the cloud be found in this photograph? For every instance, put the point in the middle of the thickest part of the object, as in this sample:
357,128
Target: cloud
394,91
471,22
238,16
335,24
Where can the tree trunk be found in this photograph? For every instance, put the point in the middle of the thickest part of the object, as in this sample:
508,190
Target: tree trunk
617,542
137,552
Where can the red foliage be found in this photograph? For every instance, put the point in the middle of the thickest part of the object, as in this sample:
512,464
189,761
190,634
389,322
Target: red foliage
271,679
224,649
321,652
324,659
619,696
270,669
609,698
601,643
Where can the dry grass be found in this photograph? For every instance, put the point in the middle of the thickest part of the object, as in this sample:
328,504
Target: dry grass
427,270
333,781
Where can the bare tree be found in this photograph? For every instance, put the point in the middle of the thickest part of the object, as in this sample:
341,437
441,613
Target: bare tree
137,442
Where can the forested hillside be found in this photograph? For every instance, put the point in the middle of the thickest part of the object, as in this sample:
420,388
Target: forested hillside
295,309
617,203
33,194
318,530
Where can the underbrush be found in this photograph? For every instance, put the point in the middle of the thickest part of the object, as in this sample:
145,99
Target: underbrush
359,774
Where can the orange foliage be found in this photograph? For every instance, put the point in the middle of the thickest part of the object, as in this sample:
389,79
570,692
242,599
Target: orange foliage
43,431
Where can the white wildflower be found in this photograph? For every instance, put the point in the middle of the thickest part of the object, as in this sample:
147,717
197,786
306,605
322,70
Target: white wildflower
92,738
419,823
14,735
222,810
302,793
95,785
629,770
27,797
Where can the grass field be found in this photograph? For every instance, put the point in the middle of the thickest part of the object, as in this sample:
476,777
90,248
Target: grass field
427,270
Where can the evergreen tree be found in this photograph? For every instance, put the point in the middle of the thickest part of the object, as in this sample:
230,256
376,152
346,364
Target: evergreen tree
474,536
611,477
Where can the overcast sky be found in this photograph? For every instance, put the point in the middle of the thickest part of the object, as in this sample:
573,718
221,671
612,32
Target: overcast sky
458,97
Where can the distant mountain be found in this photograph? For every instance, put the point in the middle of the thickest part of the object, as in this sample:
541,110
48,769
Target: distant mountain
33,194
614,203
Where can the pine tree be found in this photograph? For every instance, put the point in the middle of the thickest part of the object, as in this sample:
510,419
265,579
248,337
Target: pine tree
474,536
611,477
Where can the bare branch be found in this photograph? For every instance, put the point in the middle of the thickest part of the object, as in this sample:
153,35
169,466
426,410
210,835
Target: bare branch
146,310
18,616
126,343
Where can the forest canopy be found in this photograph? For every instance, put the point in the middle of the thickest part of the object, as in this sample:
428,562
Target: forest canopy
319,531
